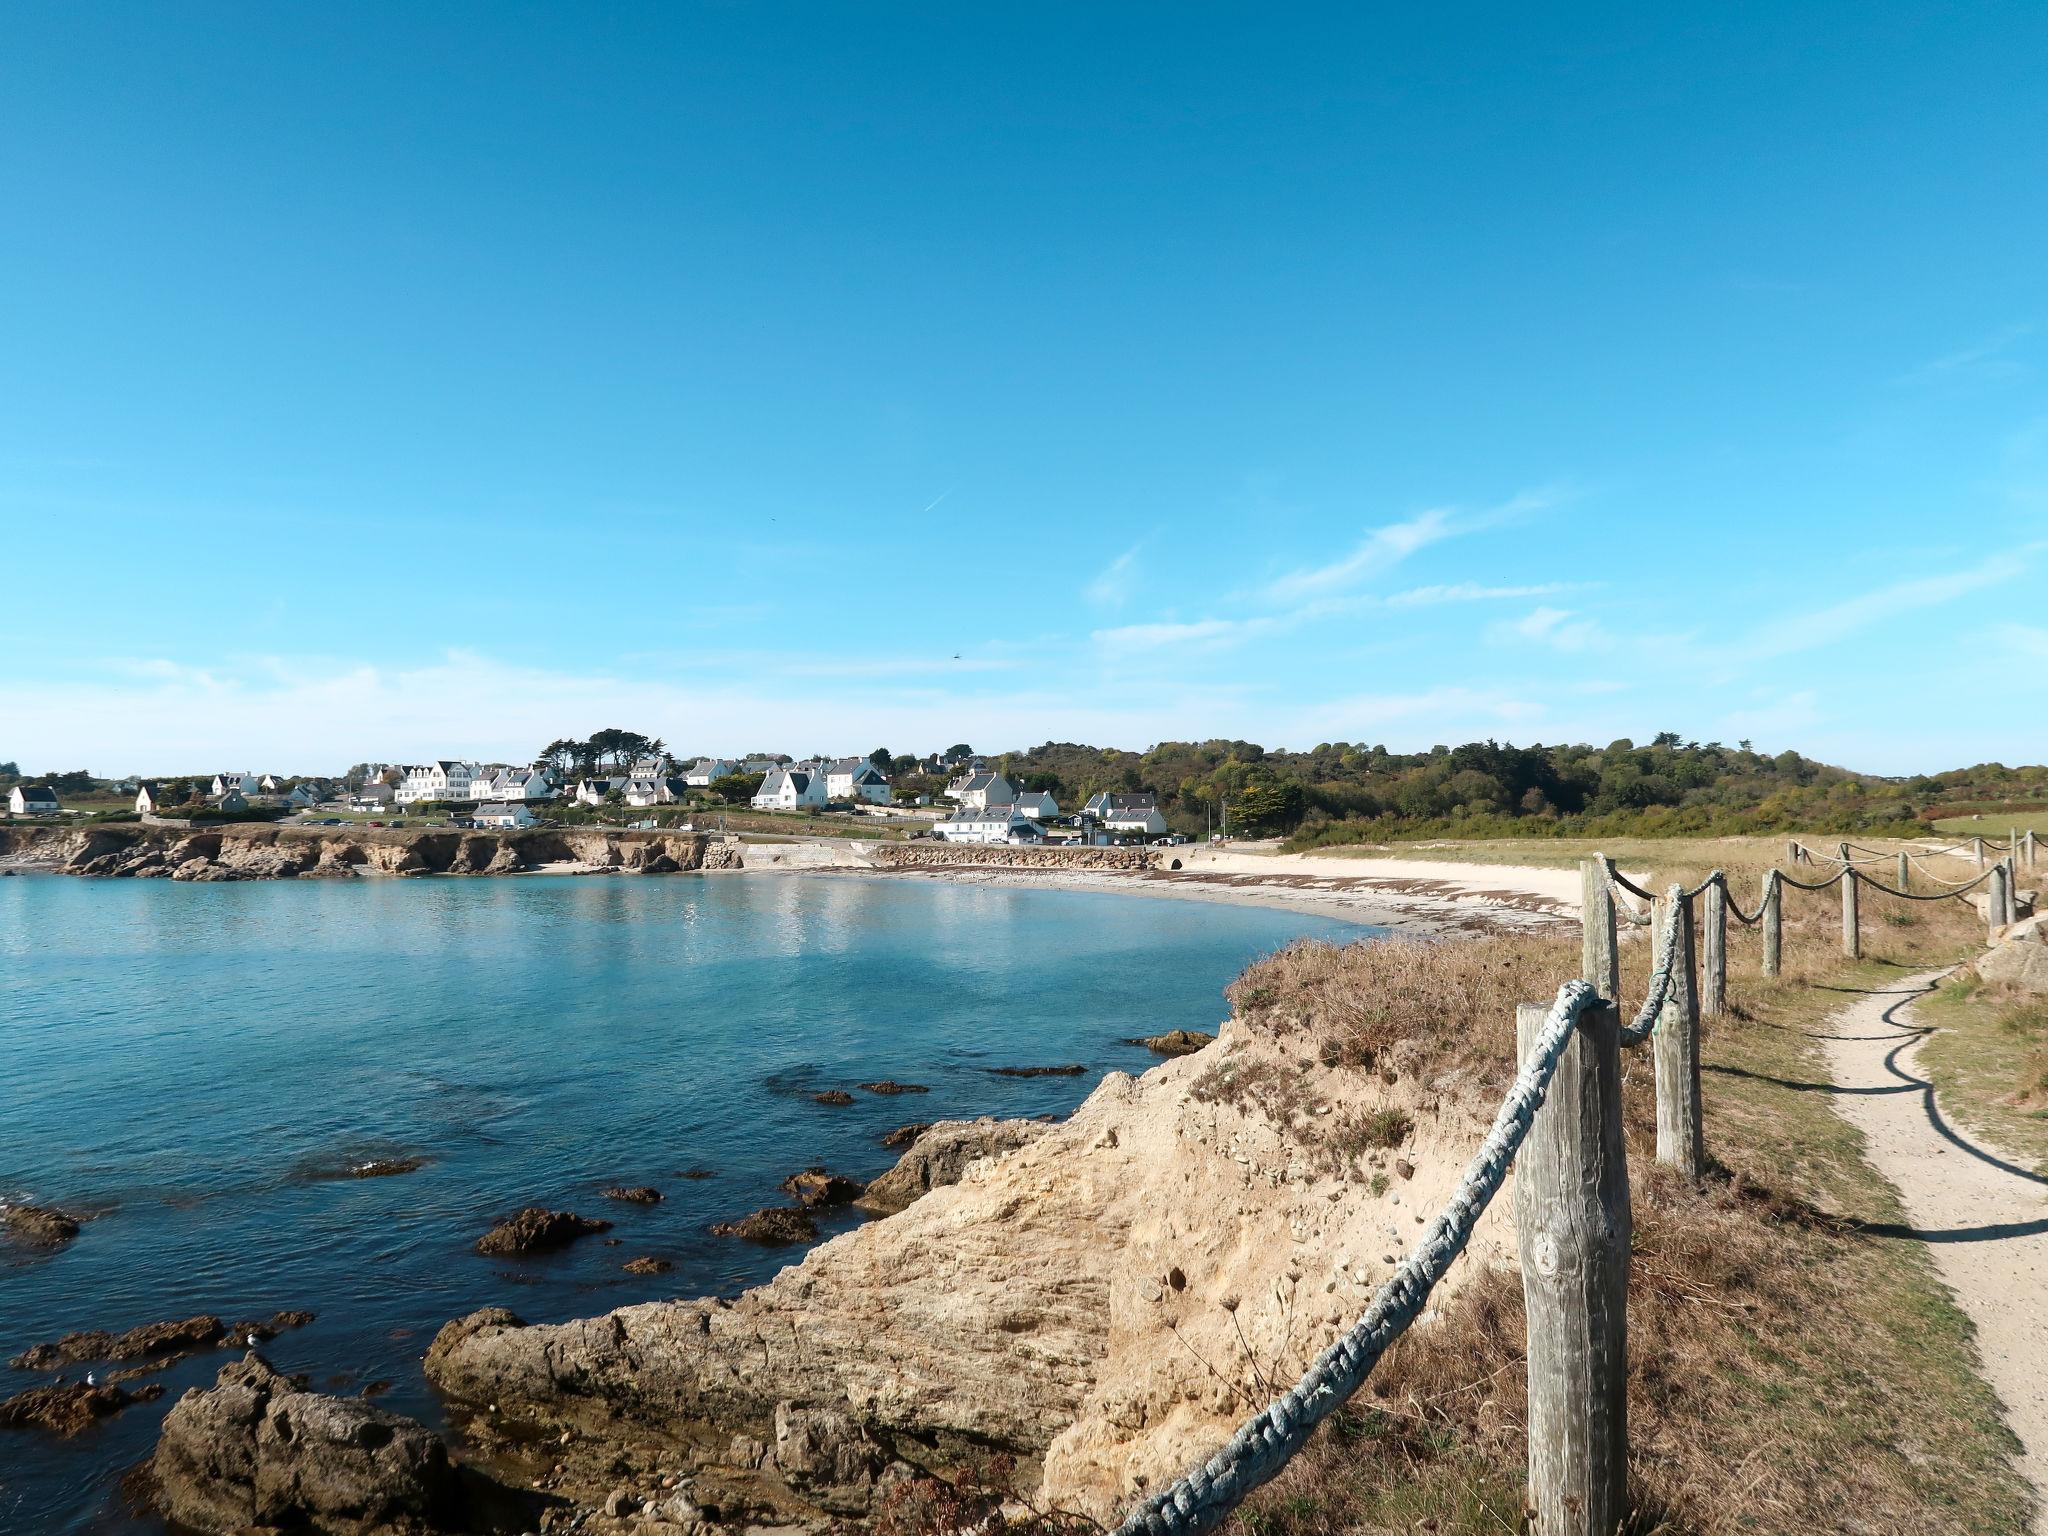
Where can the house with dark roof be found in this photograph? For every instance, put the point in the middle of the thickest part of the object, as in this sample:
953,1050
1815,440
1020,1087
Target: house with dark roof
857,778
980,790
1127,813
32,800
988,824
790,789
1038,804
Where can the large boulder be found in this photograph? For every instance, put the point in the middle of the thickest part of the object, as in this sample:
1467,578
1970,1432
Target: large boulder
941,1154
2020,961
254,1450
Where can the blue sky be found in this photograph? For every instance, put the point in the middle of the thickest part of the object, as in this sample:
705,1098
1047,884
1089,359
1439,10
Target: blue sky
383,381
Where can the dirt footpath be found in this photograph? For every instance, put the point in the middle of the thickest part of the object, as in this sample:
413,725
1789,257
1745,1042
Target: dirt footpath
1983,1214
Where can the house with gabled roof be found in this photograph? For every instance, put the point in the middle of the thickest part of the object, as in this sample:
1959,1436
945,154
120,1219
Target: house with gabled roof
1127,813
32,800
1002,823
1038,804
980,790
700,773
790,789
857,778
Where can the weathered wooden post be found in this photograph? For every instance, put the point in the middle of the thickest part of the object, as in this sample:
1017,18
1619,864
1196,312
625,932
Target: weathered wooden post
1792,850
1978,845
1905,872
1714,949
1773,904
1852,932
1599,957
1675,1046
1573,1223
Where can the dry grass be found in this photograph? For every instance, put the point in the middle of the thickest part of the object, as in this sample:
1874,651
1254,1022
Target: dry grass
1790,1371
1989,1062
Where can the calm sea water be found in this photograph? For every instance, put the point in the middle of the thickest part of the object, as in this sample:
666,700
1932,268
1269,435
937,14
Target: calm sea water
186,1060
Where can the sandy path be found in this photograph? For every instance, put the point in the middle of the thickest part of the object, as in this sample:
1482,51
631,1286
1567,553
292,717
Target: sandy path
1983,1215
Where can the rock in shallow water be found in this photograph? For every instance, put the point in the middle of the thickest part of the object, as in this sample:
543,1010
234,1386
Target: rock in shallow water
37,1226
890,1085
1175,1042
538,1230
255,1450
66,1410
636,1194
815,1187
776,1224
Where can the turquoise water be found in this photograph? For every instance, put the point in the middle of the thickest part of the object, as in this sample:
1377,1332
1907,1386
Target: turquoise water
186,1060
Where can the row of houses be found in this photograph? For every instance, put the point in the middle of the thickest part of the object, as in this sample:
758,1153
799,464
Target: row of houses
811,785
990,809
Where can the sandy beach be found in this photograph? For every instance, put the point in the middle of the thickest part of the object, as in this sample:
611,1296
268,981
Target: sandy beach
1415,896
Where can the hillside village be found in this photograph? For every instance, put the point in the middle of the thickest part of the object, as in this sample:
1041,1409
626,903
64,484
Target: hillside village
977,802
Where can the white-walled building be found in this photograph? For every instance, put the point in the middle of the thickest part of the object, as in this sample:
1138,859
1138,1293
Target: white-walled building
1038,805
147,797
700,774
980,790
660,791
244,783
856,778
514,784
1127,813
32,800
790,789
373,796
510,813
989,824
442,779
593,791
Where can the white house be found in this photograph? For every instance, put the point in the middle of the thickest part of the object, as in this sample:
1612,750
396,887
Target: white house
978,791
700,773
270,784
655,791
442,779
1038,805
857,778
1127,813
32,800
656,767
510,813
373,796
146,798
989,824
593,791
246,783
790,789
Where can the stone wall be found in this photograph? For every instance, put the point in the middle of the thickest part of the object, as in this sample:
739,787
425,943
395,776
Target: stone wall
936,855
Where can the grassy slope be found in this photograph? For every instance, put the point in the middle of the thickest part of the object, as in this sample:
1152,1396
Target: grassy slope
1789,1371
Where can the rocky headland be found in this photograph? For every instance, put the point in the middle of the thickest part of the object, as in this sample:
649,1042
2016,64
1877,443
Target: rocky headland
264,851
1099,1300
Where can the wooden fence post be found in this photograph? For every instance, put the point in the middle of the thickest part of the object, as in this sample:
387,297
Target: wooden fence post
1774,922
1977,844
1852,931
1994,902
1792,850
1714,949
1573,1224
1675,1045
1905,871
1599,957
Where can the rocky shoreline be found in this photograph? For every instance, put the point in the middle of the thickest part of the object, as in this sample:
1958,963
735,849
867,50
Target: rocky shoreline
1090,1303
263,851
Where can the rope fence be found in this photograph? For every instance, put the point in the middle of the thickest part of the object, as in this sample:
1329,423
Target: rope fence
1562,1117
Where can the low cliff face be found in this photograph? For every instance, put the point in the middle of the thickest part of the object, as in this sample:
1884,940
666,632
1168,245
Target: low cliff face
941,855
262,852
1103,1301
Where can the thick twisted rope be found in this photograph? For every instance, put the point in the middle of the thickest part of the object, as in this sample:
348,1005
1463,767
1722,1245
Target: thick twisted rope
1949,895
1204,1498
1814,885
1637,1030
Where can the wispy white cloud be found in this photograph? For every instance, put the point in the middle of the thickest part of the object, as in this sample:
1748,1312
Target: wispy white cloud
1840,621
1206,633
1986,358
1112,585
1386,547
1473,592
1556,628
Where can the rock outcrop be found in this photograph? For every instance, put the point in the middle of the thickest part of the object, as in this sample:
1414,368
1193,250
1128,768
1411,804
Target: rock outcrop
942,855
1093,1301
940,1154
538,1230
1175,1042
268,851
36,1226
2020,960
256,1450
